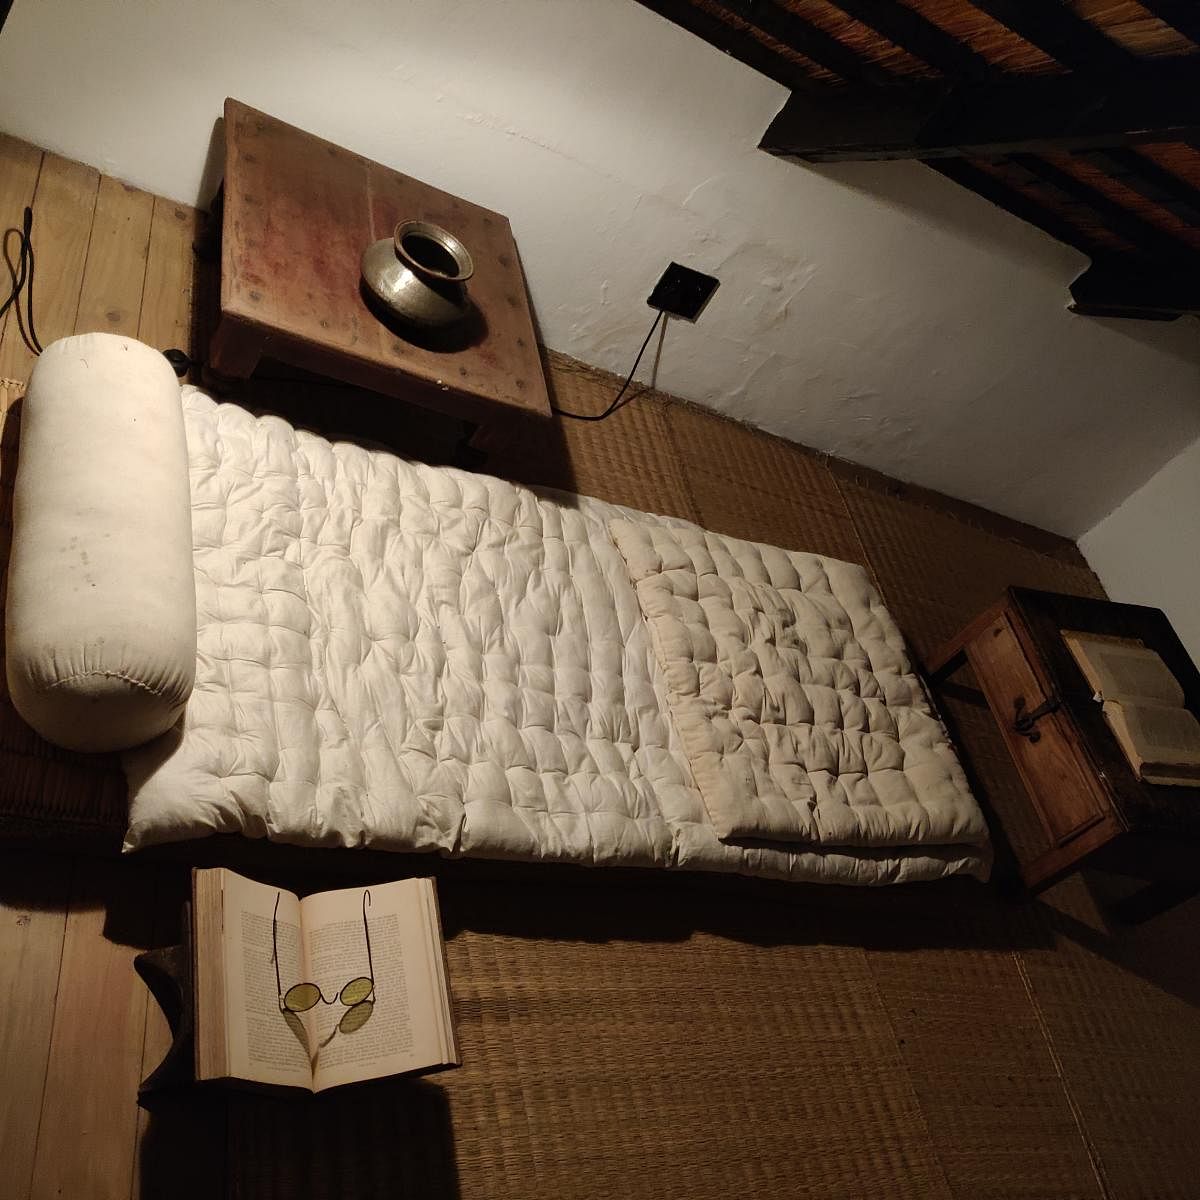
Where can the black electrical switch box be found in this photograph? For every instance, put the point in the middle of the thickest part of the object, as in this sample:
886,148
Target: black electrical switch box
683,292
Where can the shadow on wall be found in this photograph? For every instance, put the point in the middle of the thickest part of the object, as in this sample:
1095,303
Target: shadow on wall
931,199
214,167
935,201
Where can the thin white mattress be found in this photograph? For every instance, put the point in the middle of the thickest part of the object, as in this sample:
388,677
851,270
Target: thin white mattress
418,658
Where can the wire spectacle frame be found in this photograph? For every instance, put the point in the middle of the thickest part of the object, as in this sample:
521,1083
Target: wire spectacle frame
357,996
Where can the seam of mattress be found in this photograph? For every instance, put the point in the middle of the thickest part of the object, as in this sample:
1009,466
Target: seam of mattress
138,683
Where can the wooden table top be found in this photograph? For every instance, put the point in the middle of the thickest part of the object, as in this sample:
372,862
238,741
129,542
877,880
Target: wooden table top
298,213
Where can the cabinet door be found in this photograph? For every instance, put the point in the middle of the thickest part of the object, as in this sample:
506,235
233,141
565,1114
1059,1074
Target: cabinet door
1064,789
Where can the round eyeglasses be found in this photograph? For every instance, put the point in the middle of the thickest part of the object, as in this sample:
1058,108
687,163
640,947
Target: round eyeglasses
358,996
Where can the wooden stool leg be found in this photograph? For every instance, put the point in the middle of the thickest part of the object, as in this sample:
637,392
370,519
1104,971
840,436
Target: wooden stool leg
234,349
466,455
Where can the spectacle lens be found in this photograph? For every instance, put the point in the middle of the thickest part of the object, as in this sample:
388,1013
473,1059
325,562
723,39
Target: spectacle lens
356,991
301,997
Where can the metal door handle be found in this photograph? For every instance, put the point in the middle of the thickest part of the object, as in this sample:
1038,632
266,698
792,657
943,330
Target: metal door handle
1025,722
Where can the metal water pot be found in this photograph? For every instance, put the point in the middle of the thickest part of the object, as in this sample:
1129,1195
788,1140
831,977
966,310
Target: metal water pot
419,274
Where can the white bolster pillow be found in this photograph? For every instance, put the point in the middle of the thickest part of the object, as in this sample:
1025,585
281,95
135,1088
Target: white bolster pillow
101,613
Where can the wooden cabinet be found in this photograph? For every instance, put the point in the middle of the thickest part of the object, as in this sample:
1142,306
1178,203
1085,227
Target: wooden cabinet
1089,804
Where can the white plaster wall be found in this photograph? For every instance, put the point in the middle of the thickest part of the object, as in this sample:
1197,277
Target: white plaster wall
1147,551
875,311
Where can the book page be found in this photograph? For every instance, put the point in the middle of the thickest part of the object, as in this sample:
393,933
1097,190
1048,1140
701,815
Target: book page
1158,735
1121,669
265,1044
397,1028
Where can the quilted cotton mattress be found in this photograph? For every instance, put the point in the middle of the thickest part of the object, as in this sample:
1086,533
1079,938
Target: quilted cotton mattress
418,658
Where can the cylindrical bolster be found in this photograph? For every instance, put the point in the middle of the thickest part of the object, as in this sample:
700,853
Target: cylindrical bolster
101,615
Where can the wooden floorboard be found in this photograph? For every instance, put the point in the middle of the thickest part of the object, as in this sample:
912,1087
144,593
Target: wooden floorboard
1017,1052
88,1123
165,319
19,167
63,205
33,914
110,299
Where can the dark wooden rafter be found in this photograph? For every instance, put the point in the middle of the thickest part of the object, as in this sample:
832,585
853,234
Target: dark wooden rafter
1110,98
1104,102
1128,285
908,29
822,48
1126,224
1016,202
1052,26
782,27
1120,286
1182,15
1063,112
1148,179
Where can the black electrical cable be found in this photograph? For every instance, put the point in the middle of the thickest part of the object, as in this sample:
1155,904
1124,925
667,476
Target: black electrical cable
616,400
22,277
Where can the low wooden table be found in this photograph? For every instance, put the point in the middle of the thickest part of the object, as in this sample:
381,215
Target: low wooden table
1090,804
297,213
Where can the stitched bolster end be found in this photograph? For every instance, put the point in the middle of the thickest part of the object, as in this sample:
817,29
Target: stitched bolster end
69,680
98,711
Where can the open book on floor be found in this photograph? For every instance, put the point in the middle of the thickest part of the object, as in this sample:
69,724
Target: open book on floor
1143,705
339,987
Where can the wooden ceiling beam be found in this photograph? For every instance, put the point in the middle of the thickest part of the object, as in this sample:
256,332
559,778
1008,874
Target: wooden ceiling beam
781,26
908,29
1018,204
1015,114
1120,286
1114,285
1148,179
1182,15
822,48
1124,222
1058,31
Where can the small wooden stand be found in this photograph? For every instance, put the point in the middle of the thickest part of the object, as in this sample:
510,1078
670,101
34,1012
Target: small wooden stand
1089,804
296,214
168,975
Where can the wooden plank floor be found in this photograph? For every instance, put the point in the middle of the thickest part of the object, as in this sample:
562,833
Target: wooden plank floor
900,1044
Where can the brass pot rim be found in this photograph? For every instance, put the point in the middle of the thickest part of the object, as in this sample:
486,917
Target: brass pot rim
441,237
